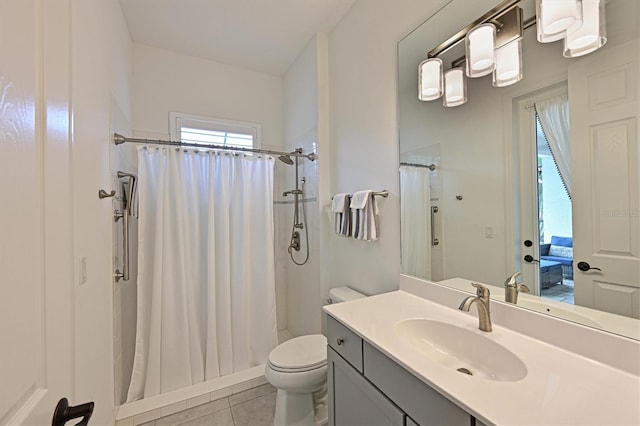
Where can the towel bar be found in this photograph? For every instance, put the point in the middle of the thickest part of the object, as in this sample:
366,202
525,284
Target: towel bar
384,193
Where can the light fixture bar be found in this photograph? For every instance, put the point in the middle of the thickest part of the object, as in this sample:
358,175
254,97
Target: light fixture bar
491,15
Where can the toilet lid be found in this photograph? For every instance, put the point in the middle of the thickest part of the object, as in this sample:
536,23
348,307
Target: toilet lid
302,352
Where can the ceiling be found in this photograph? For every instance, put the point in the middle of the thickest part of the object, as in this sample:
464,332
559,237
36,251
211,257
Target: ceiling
262,35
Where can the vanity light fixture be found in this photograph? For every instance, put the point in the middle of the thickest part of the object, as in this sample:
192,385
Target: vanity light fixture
430,79
480,45
493,44
554,17
455,87
588,35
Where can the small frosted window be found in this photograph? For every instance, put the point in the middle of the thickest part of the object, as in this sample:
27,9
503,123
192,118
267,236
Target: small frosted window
212,131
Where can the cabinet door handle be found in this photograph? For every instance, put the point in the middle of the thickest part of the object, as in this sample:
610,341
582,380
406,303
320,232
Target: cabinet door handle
339,341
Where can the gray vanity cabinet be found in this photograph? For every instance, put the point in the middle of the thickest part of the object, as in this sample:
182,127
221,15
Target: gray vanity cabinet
367,388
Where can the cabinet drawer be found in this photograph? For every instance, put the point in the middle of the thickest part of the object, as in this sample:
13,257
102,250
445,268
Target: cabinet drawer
345,342
418,400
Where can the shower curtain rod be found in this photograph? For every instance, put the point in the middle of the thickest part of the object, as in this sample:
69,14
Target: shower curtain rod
118,139
431,167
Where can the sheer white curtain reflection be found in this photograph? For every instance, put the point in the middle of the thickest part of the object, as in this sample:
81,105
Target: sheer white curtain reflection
415,207
206,286
553,114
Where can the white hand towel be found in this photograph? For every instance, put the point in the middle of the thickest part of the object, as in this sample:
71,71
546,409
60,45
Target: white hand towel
360,198
364,218
340,206
339,203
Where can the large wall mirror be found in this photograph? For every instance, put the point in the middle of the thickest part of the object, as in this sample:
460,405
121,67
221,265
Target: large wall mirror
495,202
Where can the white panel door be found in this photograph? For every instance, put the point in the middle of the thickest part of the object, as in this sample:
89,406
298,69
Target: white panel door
35,232
603,91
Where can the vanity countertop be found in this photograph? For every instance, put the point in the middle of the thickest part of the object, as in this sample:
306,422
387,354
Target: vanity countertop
560,388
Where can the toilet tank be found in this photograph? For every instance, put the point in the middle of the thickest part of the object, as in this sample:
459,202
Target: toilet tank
344,294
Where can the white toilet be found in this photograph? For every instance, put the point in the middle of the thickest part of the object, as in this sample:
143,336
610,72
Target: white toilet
298,369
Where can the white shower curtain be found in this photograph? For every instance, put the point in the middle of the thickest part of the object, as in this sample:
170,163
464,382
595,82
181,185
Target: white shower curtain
206,280
415,209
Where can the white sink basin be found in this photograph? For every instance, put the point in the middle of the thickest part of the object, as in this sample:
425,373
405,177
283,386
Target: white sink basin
462,350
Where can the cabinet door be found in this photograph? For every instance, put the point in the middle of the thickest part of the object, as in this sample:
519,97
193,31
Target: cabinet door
426,406
353,401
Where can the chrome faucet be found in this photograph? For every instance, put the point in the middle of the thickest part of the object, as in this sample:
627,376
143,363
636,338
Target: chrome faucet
511,289
482,302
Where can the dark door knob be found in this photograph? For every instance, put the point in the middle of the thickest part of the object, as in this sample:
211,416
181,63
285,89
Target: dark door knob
584,267
528,243
528,258
63,413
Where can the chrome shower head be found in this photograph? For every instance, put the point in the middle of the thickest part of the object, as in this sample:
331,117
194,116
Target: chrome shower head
286,159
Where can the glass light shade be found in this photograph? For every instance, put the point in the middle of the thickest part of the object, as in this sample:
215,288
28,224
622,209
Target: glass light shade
430,79
591,34
480,44
455,88
508,64
554,17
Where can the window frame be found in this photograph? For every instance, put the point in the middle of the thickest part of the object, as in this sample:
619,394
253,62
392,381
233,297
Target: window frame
178,120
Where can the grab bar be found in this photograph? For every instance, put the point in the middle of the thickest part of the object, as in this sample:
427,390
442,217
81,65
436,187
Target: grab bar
434,240
124,275
124,215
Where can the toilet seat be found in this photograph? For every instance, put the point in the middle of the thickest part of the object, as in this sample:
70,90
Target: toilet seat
304,353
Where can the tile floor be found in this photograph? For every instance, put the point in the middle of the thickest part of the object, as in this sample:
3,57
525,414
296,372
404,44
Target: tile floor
253,407
560,292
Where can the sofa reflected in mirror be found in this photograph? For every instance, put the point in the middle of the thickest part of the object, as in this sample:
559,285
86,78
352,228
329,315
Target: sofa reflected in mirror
560,250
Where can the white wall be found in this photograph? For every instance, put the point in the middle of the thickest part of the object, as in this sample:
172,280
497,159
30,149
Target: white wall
166,81
101,72
301,131
364,147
